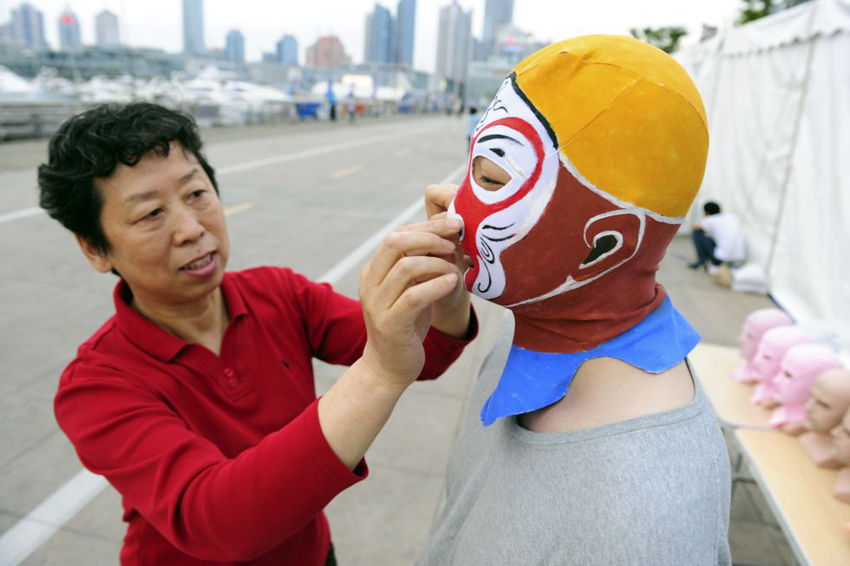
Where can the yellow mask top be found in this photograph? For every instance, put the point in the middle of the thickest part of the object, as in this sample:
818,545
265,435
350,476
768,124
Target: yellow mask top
626,114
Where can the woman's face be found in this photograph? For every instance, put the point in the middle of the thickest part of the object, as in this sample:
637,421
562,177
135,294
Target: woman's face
165,227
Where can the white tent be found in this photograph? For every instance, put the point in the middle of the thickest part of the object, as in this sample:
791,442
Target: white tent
777,95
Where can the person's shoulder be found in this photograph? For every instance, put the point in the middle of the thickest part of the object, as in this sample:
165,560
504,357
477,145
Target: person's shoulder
712,219
105,350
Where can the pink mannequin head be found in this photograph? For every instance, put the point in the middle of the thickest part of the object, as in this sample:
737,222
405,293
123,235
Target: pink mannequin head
757,323
829,400
772,347
801,366
768,357
841,439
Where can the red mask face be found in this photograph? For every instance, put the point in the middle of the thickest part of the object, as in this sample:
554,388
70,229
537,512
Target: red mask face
547,244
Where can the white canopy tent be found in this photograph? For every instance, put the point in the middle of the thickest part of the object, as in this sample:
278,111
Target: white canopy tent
777,95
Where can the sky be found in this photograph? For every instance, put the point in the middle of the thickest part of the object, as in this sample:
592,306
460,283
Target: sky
158,23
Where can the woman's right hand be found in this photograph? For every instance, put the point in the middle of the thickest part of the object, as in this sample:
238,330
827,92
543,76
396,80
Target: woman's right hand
398,288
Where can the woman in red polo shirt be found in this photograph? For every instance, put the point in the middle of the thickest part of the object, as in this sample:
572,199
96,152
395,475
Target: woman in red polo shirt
196,399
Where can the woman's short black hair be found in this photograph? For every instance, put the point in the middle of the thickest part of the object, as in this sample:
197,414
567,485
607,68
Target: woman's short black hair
90,145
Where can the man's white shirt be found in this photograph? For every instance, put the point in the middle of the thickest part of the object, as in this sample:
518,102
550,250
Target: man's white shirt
727,233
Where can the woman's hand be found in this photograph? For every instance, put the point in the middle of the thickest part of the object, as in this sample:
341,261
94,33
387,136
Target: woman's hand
452,312
398,289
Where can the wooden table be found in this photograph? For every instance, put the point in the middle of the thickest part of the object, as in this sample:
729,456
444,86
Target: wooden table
798,492
713,366
800,495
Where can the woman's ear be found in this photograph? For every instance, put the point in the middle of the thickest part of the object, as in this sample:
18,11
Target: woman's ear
612,239
97,258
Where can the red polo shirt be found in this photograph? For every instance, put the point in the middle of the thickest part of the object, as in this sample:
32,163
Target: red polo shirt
221,459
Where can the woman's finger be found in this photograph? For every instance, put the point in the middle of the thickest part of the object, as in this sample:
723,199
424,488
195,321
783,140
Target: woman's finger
399,244
447,228
438,198
408,272
417,298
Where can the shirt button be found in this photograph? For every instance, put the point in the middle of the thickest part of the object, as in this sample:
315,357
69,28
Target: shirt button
228,372
232,382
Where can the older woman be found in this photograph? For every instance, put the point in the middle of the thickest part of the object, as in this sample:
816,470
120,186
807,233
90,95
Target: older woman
196,399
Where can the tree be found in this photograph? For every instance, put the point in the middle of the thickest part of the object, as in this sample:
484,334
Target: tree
756,9
666,38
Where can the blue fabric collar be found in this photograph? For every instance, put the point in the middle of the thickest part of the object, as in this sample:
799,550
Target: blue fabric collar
533,380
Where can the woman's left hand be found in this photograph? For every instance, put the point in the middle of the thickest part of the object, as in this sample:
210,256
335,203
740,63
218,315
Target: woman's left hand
451,313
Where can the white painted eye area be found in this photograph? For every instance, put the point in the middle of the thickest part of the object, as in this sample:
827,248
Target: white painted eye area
510,160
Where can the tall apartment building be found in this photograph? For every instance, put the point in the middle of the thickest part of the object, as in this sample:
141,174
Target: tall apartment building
193,28
106,29
453,46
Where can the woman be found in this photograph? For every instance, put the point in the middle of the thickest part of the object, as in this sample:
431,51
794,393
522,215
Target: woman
196,399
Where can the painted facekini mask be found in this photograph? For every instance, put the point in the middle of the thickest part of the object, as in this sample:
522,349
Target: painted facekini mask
604,141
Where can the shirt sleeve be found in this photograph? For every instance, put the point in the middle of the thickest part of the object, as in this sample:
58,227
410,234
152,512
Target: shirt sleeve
709,225
207,505
337,331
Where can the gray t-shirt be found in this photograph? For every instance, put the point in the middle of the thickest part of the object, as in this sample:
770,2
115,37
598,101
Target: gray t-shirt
653,490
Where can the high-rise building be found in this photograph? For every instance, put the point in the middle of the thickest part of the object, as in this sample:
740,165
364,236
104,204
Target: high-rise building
379,36
193,27
405,28
514,44
496,14
454,46
106,29
287,51
234,46
69,30
327,53
27,26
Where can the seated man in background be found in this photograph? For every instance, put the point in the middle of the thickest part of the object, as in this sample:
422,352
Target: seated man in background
718,239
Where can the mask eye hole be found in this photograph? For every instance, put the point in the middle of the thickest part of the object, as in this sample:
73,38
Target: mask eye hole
488,175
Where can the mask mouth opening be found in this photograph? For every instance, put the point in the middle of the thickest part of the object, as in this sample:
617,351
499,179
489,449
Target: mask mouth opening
602,245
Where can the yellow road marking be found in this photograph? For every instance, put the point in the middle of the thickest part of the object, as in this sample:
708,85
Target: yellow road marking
237,208
346,172
402,152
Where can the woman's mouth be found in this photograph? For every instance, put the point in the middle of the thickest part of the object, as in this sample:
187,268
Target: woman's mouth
202,266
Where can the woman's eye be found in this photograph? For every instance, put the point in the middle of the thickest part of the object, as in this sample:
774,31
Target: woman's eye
154,213
198,194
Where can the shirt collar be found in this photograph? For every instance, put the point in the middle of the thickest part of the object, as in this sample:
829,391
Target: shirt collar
153,339
532,380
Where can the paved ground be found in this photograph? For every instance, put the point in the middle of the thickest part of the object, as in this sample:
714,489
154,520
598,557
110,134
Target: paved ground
308,212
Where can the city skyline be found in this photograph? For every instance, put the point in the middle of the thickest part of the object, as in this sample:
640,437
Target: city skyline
158,23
